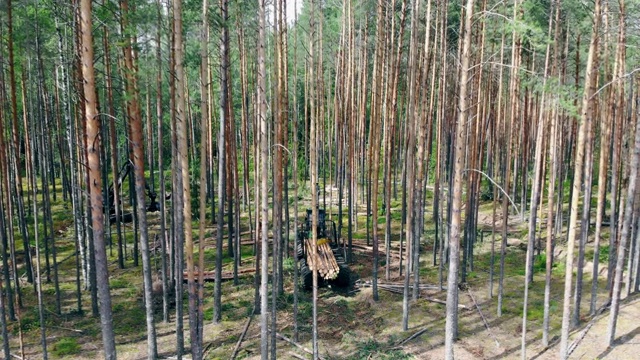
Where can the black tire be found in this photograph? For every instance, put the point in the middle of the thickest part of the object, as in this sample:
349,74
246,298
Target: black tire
299,249
344,277
306,275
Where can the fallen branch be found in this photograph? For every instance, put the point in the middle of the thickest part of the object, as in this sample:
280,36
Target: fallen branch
69,329
484,320
207,349
442,302
398,288
413,336
576,342
244,333
282,337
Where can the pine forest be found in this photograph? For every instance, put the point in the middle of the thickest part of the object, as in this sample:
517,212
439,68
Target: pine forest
320,179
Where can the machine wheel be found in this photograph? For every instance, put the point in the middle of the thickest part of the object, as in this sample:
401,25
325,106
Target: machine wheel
306,275
299,250
344,277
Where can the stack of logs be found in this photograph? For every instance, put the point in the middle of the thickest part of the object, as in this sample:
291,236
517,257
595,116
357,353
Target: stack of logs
324,261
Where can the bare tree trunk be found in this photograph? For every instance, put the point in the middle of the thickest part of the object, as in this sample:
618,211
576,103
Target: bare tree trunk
591,75
313,171
410,151
538,179
222,176
627,230
43,335
634,163
95,181
296,265
181,171
163,202
262,119
136,144
553,170
454,236
204,146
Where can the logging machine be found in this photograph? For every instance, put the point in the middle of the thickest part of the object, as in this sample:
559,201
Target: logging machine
125,171
330,258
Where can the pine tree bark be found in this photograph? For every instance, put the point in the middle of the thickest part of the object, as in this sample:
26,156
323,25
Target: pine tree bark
180,167
163,202
95,181
136,145
222,167
585,121
264,152
204,146
536,189
410,151
460,143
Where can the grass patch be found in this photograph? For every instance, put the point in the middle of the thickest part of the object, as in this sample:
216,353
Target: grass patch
119,283
603,256
65,346
372,349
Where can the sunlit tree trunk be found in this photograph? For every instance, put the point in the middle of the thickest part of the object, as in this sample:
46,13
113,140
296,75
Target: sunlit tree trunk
262,120
136,144
585,121
95,181
460,143
410,150
536,189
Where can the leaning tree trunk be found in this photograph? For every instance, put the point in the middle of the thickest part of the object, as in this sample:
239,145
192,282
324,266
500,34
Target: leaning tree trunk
585,117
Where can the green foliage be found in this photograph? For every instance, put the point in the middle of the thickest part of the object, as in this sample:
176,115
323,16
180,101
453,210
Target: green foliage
288,264
603,256
372,349
119,283
65,346
540,263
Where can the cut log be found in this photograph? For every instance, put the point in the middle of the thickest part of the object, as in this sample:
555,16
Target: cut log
324,260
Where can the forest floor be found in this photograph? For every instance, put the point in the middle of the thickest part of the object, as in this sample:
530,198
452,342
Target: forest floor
351,324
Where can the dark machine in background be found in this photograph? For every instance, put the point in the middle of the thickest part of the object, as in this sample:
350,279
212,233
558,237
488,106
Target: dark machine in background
330,258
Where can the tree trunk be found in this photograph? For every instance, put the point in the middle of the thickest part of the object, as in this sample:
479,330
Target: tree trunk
136,144
410,151
181,170
585,117
222,176
264,152
538,179
454,235
95,181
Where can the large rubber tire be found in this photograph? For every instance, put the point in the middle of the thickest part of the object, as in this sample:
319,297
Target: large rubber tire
306,275
300,248
344,277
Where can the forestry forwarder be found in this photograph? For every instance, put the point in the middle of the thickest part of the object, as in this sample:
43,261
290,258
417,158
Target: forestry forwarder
330,259
125,172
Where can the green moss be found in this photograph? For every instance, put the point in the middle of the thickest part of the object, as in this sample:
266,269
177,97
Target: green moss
119,283
65,346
